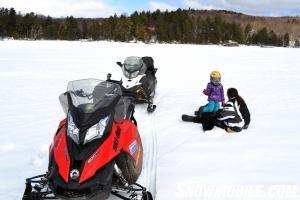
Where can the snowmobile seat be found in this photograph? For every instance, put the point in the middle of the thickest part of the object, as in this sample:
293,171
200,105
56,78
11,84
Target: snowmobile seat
149,62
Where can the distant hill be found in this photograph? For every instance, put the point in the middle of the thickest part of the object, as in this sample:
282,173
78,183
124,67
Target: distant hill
180,26
280,25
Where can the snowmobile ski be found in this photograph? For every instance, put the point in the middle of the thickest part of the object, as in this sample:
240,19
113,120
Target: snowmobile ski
37,188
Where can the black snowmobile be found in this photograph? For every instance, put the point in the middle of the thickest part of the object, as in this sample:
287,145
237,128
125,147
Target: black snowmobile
139,79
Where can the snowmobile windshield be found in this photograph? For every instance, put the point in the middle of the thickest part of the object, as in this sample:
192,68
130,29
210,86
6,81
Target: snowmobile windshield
89,95
130,75
131,67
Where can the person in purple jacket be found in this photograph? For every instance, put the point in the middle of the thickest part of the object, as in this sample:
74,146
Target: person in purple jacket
215,93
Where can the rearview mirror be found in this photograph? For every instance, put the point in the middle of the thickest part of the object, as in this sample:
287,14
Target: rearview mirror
120,64
108,76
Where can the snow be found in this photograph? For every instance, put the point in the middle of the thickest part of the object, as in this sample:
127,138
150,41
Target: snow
180,159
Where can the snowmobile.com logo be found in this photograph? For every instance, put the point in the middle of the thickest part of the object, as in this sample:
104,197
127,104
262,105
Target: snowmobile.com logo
237,192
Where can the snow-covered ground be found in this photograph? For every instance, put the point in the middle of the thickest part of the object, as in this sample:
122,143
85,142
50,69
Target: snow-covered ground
181,161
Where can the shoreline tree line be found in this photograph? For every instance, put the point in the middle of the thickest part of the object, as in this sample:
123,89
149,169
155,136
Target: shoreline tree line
169,27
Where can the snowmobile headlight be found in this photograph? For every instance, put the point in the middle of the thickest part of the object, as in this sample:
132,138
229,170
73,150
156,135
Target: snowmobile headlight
96,131
72,130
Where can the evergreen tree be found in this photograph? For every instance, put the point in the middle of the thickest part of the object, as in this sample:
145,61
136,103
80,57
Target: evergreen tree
247,33
261,37
162,28
206,30
272,39
28,24
286,40
215,29
237,33
175,26
84,30
122,31
3,22
95,31
12,22
297,43
70,30
199,37
139,32
107,27
50,28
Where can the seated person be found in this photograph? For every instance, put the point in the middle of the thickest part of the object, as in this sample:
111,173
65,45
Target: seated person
233,117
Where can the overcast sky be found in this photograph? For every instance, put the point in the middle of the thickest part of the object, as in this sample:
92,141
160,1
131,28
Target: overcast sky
105,8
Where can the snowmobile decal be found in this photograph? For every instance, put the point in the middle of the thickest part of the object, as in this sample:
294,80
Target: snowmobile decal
93,156
133,147
116,140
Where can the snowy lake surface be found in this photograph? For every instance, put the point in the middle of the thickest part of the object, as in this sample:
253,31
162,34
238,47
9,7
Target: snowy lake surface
180,160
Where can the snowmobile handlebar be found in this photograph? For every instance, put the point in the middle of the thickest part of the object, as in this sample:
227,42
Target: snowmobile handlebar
119,63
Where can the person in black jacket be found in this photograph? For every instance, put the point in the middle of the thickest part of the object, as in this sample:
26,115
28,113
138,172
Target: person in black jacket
233,117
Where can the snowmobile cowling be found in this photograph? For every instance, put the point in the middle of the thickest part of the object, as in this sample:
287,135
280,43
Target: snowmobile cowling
96,150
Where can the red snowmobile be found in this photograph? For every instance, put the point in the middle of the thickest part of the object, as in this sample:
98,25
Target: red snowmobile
96,151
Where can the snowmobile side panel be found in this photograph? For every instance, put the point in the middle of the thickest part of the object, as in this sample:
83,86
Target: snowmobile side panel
61,124
110,148
130,161
123,136
61,154
133,144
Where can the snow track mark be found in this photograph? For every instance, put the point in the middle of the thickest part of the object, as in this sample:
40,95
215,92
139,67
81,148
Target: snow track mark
149,172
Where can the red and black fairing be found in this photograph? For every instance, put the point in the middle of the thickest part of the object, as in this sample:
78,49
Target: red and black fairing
95,163
94,160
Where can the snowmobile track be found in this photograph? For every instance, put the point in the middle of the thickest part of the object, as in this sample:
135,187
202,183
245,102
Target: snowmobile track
151,148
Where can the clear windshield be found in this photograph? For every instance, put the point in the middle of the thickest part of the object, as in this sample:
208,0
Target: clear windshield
89,95
131,67
130,75
133,64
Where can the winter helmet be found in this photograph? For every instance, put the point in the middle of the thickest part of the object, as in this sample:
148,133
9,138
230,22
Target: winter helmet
215,77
